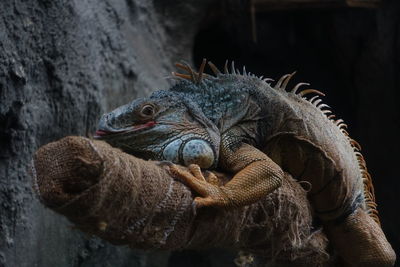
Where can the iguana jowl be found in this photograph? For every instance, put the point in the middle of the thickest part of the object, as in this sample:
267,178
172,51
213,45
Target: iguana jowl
239,123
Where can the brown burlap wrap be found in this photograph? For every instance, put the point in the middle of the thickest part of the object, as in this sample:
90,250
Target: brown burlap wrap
129,201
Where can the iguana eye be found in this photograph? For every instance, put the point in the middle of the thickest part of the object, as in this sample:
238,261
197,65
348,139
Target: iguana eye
147,110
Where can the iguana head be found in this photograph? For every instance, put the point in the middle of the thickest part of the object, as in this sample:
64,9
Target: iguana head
165,126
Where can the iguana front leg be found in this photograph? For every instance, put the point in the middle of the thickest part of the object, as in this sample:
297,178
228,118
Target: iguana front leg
256,175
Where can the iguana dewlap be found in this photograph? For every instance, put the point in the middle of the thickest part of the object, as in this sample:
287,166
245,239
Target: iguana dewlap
239,123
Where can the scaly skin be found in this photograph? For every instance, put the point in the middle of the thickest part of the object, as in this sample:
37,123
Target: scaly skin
238,123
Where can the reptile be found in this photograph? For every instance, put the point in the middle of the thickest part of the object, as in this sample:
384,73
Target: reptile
241,124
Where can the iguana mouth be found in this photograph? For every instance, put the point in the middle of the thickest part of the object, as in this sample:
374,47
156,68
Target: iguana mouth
112,132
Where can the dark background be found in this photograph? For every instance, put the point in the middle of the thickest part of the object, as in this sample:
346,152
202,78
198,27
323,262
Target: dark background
64,63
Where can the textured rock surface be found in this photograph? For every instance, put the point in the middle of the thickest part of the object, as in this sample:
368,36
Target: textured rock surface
62,64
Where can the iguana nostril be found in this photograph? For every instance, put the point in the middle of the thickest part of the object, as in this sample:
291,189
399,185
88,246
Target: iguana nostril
198,152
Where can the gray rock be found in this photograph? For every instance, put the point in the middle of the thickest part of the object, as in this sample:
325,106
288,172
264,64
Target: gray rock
63,64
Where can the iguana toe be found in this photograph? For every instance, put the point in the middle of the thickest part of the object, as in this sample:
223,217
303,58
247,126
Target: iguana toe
196,172
205,201
211,194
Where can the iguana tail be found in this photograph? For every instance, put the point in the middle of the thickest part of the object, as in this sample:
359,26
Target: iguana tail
360,241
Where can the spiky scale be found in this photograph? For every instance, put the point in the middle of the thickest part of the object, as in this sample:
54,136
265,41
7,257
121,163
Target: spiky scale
201,70
355,143
191,72
308,91
313,99
180,75
285,83
321,106
337,122
183,67
316,102
280,81
233,67
226,67
345,132
214,68
294,90
267,80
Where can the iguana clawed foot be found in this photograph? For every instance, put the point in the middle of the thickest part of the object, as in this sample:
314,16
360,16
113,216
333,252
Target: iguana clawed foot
211,193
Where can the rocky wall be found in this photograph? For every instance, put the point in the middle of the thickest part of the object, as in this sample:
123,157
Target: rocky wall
62,64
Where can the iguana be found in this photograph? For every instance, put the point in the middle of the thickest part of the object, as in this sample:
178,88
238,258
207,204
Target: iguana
239,123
